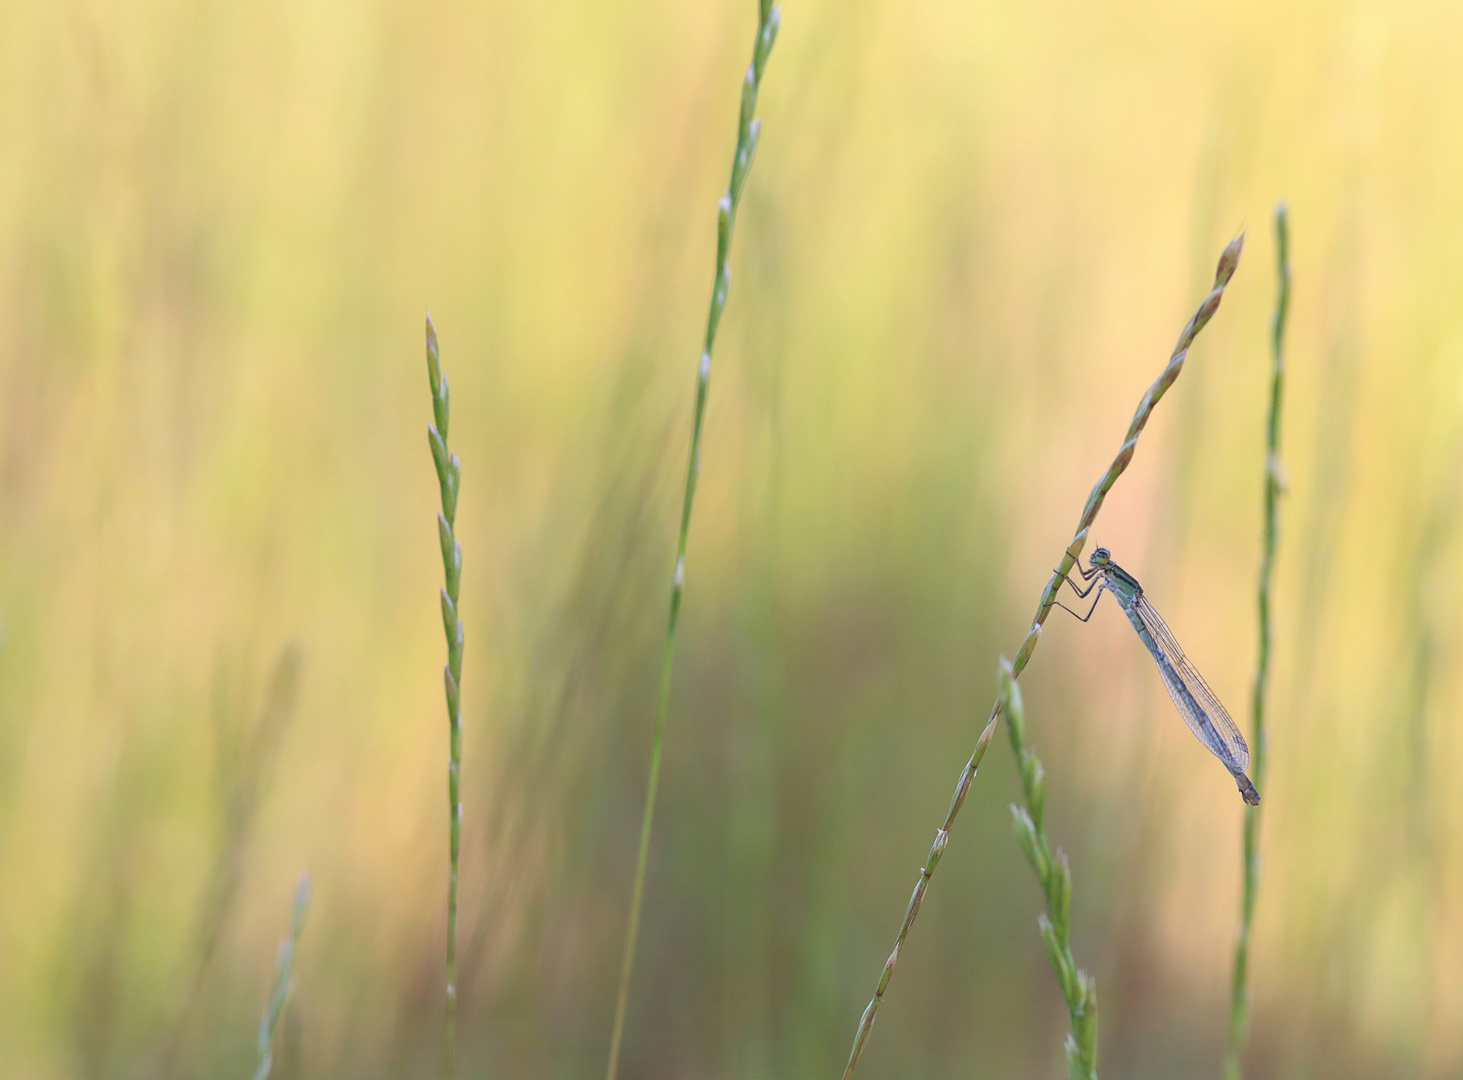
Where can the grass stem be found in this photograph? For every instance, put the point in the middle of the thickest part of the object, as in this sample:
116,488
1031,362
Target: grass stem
1055,874
749,130
1228,260
1239,1002
449,480
284,977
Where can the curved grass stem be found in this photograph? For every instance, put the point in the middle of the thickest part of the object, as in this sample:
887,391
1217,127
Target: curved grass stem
749,130
1228,260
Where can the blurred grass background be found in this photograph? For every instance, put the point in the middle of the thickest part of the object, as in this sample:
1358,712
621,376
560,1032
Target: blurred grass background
972,234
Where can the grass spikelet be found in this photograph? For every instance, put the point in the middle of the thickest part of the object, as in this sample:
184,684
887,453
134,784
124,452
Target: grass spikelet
449,481
1055,875
284,977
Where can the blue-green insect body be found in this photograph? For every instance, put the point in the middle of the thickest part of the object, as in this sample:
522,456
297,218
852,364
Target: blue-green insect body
1196,703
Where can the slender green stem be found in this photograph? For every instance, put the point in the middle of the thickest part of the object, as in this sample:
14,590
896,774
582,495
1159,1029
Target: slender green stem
749,130
1239,1002
1228,260
284,975
449,480
1055,874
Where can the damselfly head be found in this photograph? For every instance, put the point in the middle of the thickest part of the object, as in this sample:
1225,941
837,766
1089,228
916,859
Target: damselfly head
1100,557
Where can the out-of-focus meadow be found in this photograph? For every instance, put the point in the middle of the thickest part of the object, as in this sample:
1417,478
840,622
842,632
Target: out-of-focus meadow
971,236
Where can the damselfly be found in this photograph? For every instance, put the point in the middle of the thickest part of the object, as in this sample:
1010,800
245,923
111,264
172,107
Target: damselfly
1196,703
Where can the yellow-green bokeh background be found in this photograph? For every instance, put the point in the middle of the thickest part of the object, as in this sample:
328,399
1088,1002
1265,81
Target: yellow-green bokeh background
971,235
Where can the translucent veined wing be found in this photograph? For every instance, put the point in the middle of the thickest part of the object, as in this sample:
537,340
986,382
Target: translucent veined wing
1197,704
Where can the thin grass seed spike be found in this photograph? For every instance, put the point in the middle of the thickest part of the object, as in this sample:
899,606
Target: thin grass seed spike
1197,704
1055,874
449,480
749,131
284,980
1223,271
1239,1006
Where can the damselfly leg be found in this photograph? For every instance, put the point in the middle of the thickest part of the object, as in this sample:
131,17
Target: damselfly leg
1098,585
1087,575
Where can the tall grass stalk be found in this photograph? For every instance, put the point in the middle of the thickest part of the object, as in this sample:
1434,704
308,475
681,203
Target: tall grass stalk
449,480
1239,1001
1228,260
1055,874
749,130
284,977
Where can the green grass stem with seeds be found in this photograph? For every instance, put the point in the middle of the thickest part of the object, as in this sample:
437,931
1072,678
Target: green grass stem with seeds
1055,874
1228,260
1239,1003
749,130
284,977
449,480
